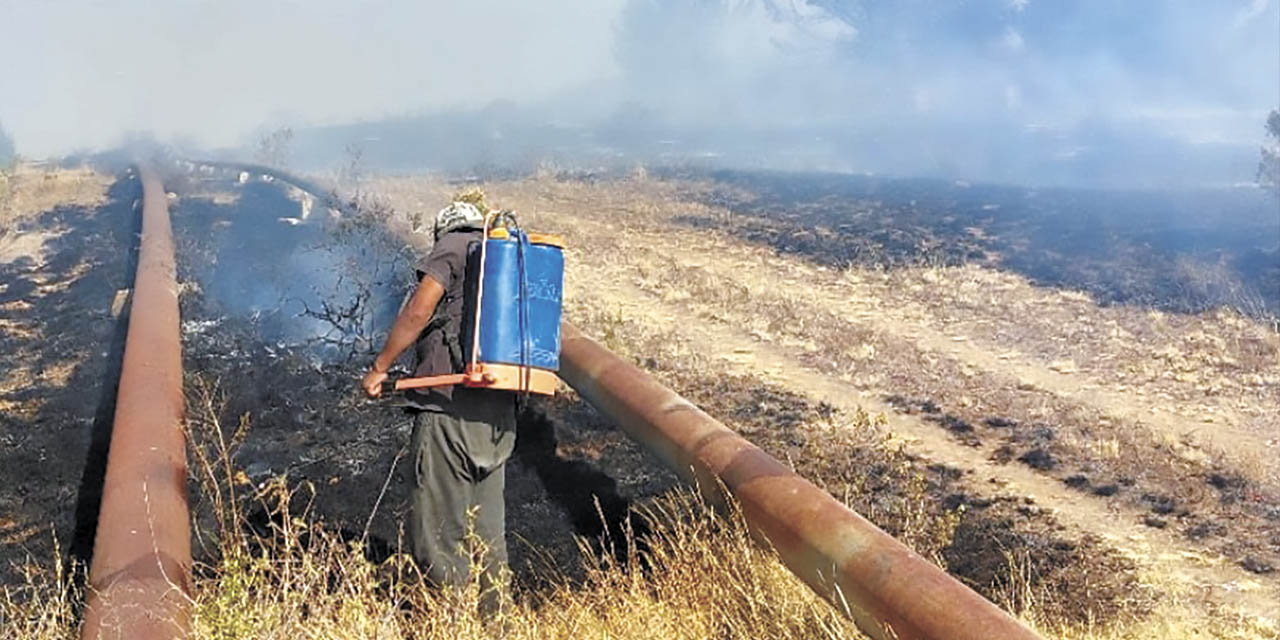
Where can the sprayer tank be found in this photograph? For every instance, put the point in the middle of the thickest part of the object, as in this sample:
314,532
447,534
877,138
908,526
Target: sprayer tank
519,317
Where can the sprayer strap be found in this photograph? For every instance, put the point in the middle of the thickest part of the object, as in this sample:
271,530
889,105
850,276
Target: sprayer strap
443,322
455,351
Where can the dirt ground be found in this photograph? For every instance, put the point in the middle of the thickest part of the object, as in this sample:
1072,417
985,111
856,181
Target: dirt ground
1125,453
1150,430
65,241
66,272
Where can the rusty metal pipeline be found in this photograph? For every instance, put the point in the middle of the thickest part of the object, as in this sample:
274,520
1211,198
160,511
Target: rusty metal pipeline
140,575
887,589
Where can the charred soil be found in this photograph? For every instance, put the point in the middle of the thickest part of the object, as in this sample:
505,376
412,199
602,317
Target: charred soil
1013,422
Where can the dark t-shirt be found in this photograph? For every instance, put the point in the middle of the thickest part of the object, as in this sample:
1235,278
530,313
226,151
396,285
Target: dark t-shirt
446,264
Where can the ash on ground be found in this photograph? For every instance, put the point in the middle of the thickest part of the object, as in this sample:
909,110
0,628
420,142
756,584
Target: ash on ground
281,316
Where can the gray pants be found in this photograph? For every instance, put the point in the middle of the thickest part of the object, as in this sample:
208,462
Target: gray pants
458,469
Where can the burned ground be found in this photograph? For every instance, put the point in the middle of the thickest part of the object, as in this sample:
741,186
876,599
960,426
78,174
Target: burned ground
778,342
1131,249
281,315
1183,252
933,508
1019,385
63,346
971,378
270,343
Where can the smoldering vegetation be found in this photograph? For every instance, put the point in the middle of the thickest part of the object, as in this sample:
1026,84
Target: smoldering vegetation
313,279
282,301
288,403
281,314
292,395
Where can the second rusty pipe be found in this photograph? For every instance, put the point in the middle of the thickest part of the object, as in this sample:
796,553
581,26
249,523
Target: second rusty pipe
889,590
139,578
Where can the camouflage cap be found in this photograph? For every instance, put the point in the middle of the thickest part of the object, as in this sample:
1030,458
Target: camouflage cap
458,215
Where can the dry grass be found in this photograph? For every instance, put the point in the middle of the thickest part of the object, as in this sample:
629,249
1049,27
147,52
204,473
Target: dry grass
1187,391
45,606
6,188
701,577
29,190
1179,615
1069,583
847,454
974,343
697,575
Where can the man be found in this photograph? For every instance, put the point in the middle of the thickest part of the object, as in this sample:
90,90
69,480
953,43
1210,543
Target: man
462,436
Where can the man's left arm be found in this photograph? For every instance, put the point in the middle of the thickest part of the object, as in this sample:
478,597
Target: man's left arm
408,325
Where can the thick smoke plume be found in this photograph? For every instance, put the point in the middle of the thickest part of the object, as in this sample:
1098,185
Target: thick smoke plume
1150,93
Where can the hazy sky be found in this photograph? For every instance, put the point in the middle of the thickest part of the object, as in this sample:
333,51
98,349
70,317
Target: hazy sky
79,73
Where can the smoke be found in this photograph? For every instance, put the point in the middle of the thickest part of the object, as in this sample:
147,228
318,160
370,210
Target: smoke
1137,93
1155,92
746,63
81,73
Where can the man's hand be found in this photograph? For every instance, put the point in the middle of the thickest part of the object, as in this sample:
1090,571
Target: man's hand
372,382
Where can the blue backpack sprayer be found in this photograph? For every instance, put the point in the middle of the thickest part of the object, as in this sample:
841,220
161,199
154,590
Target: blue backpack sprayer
511,312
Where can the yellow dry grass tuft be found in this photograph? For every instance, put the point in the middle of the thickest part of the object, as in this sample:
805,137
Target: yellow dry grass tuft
700,577
28,190
45,606
697,574
473,196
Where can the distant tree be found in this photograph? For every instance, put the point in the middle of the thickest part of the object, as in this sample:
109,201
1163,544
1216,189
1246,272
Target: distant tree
7,152
273,148
1269,166
352,170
